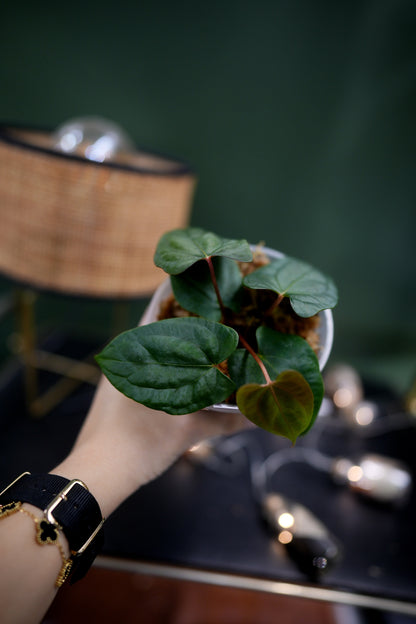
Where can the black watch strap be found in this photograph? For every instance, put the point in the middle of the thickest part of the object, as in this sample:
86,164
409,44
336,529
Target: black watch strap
68,504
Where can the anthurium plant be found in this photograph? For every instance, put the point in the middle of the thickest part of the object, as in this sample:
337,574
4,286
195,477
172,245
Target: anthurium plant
235,329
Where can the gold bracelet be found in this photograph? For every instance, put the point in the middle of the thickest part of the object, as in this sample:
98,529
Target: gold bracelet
46,533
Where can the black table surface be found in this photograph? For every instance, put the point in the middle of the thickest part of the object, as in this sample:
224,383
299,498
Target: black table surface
202,519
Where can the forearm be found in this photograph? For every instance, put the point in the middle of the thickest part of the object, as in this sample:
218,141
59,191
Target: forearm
122,446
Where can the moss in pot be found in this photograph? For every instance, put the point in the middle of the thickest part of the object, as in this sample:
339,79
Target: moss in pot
242,327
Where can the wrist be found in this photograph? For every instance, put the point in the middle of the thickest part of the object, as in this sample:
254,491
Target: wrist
107,483
124,445
65,506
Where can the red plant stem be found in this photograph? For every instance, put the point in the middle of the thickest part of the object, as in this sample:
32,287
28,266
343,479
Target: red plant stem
242,339
215,284
257,359
275,303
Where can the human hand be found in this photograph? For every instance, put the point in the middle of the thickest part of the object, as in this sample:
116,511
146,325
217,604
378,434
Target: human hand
123,444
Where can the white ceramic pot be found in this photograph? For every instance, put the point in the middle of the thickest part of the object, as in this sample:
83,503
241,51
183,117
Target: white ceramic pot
325,329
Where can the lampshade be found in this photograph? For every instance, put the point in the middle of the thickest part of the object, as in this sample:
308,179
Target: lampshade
75,226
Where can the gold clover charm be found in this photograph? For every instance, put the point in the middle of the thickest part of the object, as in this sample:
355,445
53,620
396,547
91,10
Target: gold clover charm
9,509
46,532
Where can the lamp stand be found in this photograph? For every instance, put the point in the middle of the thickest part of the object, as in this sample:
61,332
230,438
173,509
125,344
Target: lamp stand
73,372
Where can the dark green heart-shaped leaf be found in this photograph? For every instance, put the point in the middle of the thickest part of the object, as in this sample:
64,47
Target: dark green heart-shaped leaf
309,290
171,365
283,407
279,352
177,250
195,291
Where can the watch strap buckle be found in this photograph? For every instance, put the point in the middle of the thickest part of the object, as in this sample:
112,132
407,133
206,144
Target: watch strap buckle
59,498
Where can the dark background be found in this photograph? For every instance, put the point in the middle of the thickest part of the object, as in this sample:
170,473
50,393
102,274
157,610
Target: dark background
299,117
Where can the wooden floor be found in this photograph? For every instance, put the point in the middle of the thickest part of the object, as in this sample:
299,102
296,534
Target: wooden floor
106,596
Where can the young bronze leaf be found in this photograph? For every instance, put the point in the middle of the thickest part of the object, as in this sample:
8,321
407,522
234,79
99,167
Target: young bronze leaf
283,407
171,365
177,250
309,290
279,352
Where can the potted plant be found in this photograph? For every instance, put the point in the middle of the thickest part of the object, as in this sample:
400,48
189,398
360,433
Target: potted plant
233,326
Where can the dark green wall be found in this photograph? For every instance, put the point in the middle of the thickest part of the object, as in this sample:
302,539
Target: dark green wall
298,115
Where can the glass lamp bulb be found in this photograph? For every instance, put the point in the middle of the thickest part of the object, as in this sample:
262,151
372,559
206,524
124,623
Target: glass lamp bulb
94,138
305,538
380,478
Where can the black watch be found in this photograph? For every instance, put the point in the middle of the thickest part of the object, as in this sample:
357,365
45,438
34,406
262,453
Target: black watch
68,505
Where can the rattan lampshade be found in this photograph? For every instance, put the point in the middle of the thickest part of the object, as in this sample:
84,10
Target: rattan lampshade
71,225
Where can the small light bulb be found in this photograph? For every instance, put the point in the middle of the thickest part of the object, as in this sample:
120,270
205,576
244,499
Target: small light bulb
365,413
343,385
343,397
361,414
286,520
354,474
380,478
285,537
